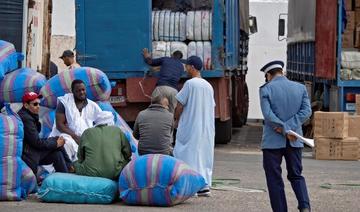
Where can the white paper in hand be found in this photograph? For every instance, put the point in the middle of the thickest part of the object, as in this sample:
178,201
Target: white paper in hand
307,141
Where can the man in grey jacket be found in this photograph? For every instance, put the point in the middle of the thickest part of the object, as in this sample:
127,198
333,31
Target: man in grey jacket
154,128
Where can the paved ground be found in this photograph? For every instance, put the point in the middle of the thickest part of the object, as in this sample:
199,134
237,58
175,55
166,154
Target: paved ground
333,185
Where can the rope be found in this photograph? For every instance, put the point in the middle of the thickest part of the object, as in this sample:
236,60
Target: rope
142,87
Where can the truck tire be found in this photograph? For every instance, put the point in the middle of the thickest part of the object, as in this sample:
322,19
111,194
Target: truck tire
240,114
223,131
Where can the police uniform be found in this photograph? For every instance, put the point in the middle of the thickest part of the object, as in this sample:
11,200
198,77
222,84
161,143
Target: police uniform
284,104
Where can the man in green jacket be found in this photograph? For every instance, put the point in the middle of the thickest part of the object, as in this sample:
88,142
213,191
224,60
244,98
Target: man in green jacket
104,150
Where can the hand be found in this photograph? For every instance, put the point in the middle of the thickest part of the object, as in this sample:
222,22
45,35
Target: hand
291,137
278,130
60,142
146,53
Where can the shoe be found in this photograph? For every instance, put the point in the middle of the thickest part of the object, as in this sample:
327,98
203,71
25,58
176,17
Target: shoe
204,193
305,210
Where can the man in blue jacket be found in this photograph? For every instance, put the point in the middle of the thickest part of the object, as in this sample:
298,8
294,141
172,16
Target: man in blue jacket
285,106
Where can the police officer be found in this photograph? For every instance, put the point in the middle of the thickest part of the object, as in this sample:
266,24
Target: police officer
285,106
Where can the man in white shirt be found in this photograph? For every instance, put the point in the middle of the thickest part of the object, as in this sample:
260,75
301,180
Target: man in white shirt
74,114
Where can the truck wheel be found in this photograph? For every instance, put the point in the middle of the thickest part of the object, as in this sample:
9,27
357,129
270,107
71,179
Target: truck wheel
223,131
241,112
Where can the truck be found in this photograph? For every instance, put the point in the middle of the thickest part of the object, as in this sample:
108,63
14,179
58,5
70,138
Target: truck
110,36
320,48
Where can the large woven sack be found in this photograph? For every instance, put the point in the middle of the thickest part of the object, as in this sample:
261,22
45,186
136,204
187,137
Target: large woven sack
18,82
10,178
97,84
121,123
28,181
47,119
71,188
11,134
158,180
16,178
8,58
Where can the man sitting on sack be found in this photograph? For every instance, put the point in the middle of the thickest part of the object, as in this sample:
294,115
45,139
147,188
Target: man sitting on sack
103,150
74,114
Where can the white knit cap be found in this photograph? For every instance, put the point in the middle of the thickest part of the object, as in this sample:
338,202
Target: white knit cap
104,118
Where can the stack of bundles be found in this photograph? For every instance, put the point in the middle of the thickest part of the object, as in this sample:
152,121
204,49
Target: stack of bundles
71,188
169,26
121,123
191,34
158,180
8,58
16,178
17,83
97,84
350,65
336,138
182,5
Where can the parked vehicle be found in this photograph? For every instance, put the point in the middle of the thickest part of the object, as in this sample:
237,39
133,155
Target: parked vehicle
317,53
111,35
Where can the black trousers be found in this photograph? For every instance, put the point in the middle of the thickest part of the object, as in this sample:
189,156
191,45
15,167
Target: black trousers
57,157
272,159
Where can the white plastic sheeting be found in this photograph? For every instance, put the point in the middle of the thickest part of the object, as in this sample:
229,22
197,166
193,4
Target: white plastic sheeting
350,60
168,26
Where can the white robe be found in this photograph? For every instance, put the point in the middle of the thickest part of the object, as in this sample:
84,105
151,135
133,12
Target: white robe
195,135
76,122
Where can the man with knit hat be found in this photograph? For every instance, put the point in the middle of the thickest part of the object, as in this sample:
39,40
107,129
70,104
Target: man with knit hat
103,150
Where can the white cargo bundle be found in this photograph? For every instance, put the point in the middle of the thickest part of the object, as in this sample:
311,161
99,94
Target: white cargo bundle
205,25
207,55
179,46
169,26
350,60
158,49
199,25
191,49
190,17
200,50
156,25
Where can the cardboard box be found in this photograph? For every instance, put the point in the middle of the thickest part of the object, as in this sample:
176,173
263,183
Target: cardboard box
350,17
348,39
348,5
358,104
331,124
337,149
354,126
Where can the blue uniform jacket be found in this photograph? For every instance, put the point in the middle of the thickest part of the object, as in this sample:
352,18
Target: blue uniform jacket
285,104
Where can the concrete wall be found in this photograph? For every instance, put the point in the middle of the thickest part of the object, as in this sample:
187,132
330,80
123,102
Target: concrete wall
264,47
